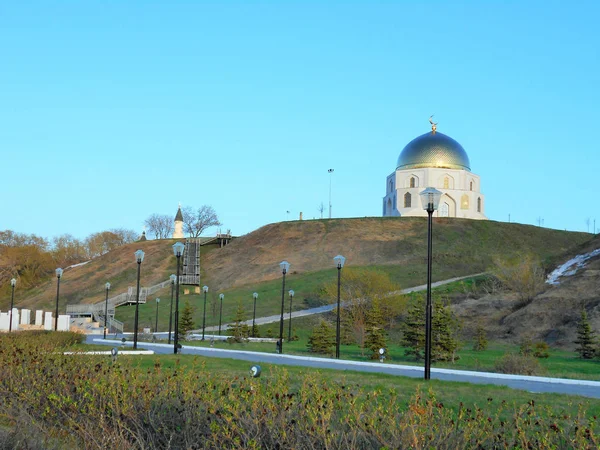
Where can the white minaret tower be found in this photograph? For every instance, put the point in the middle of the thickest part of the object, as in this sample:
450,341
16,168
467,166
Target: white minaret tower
178,233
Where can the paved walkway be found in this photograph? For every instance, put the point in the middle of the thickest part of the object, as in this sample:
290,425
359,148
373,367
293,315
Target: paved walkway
531,384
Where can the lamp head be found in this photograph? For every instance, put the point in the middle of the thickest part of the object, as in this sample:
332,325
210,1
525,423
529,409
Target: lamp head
205,289
173,279
157,300
139,256
13,282
107,285
291,292
285,266
59,272
221,296
339,261
430,199
178,249
255,295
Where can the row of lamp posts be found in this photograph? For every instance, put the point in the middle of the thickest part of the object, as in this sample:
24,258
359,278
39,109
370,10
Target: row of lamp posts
430,199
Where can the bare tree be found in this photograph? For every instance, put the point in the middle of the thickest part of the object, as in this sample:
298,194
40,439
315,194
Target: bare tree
195,222
321,208
587,222
161,225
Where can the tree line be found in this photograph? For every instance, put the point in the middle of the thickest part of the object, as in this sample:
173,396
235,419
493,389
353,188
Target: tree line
31,258
195,222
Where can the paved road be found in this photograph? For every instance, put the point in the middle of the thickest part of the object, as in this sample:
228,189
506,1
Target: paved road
531,384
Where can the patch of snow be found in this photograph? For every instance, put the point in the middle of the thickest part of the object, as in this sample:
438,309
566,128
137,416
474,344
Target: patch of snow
77,265
570,267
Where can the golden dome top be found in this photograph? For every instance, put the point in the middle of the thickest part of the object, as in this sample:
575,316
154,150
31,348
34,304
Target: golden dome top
433,149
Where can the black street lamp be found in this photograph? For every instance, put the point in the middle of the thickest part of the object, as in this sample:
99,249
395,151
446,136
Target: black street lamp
156,320
291,292
205,290
254,296
178,251
13,283
339,262
221,297
139,257
107,287
285,266
59,273
173,278
430,198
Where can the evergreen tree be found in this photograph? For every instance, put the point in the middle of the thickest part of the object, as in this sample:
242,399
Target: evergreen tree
586,338
413,330
445,327
239,330
481,341
376,335
255,331
322,339
186,322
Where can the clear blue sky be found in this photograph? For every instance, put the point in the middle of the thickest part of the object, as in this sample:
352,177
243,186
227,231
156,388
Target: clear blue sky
111,110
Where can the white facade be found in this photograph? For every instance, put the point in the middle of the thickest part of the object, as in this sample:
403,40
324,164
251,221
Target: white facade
461,190
178,230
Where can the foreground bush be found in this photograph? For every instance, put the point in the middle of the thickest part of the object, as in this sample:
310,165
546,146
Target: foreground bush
49,400
518,364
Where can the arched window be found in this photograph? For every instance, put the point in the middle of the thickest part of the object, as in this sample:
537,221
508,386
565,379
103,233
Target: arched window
478,204
412,182
394,202
389,207
471,186
407,200
391,186
446,183
464,202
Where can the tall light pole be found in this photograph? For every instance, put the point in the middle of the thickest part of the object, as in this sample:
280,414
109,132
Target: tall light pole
339,262
13,283
430,198
205,290
107,288
156,320
177,251
139,257
291,292
285,266
254,296
173,278
330,171
221,297
59,273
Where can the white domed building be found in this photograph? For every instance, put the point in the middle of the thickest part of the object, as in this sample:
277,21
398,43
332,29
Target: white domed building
434,160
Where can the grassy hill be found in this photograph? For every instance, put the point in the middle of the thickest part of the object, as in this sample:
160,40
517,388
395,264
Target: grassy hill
397,246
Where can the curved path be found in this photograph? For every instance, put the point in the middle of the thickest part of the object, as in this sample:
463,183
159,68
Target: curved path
532,384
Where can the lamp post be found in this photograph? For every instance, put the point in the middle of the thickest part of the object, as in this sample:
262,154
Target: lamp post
172,278
59,273
330,171
291,292
285,266
139,257
430,198
178,251
205,290
339,262
13,283
254,296
221,297
107,288
156,320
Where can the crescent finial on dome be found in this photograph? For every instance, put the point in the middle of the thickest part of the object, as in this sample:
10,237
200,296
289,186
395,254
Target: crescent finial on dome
433,125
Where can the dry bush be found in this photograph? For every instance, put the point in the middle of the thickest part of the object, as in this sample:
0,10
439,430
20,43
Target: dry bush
523,275
518,364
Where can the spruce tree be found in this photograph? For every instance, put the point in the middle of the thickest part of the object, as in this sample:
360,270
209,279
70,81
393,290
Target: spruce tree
445,326
413,329
586,338
239,330
186,323
481,341
322,339
376,335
